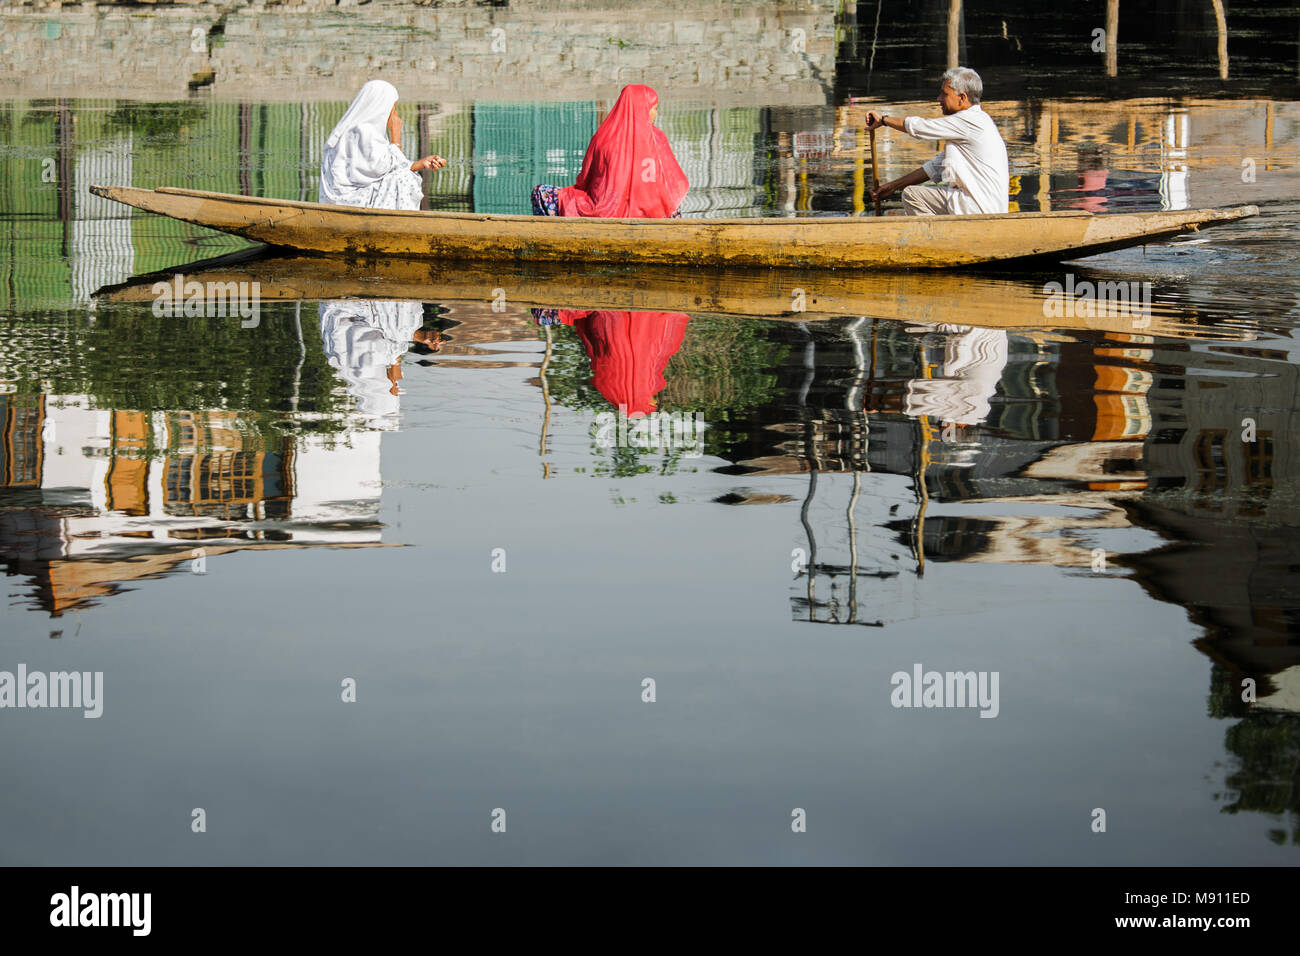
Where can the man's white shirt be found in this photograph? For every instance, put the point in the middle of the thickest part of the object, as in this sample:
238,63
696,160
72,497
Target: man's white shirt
974,162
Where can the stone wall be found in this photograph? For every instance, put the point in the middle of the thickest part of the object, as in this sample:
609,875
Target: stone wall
726,52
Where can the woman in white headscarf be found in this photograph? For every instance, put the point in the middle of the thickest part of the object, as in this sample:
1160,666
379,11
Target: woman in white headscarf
364,164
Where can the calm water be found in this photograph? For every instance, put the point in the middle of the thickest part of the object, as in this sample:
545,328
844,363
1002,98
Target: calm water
1073,508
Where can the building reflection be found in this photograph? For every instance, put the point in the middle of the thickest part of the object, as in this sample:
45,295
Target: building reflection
98,498
1142,432
1113,432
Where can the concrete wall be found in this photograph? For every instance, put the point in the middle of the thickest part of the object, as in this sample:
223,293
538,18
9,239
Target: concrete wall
726,52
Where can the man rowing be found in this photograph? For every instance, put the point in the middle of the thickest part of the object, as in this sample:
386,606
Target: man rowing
972,172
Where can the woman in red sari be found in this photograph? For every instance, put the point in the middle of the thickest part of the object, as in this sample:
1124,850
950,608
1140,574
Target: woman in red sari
629,170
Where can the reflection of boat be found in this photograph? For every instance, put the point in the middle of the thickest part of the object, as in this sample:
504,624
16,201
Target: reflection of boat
792,295
890,242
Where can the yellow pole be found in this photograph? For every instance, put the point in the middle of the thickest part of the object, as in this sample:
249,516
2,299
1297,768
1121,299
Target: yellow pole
1221,21
954,32
859,179
546,399
1112,37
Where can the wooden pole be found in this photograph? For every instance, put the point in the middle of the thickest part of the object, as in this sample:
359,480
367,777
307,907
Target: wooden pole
954,33
546,399
422,116
859,177
1221,21
1112,37
875,178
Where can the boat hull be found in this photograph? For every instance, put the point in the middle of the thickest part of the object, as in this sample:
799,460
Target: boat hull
889,242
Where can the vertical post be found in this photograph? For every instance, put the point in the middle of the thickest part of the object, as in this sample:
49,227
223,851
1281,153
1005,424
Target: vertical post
245,148
1043,150
304,173
859,177
422,116
1112,37
954,33
546,402
63,150
1221,21
1268,135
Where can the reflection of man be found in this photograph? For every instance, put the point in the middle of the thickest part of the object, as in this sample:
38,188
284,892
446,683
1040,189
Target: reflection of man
365,341
973,360
972,172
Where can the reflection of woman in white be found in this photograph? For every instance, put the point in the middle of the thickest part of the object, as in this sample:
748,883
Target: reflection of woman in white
364,164
973,360
364,342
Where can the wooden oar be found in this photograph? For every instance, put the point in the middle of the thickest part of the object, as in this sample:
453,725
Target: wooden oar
875,179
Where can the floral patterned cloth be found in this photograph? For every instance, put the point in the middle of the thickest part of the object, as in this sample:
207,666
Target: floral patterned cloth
546,200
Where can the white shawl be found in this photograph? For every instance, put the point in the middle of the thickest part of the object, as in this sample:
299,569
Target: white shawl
360,167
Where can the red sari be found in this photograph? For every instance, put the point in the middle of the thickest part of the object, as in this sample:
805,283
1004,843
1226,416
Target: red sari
629,170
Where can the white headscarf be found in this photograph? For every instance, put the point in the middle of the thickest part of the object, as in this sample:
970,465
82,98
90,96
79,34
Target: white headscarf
358,153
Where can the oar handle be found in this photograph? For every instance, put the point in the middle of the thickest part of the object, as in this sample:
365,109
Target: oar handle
875,179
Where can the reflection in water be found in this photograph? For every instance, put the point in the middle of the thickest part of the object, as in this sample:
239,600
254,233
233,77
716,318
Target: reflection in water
964,382
118,467
1117,433
96,498
628,351
364,342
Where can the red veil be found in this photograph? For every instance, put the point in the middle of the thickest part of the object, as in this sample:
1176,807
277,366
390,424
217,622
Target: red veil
629,170
629,352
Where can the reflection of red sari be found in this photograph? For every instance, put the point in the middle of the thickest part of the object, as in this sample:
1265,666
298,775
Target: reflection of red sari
629,352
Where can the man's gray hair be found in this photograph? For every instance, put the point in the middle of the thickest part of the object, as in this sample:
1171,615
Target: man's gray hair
963,79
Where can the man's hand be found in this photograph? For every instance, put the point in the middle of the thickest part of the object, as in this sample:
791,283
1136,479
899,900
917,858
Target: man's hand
876,120
884,190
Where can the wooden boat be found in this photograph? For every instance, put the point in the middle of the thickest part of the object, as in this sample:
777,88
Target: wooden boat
888,242
931,297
